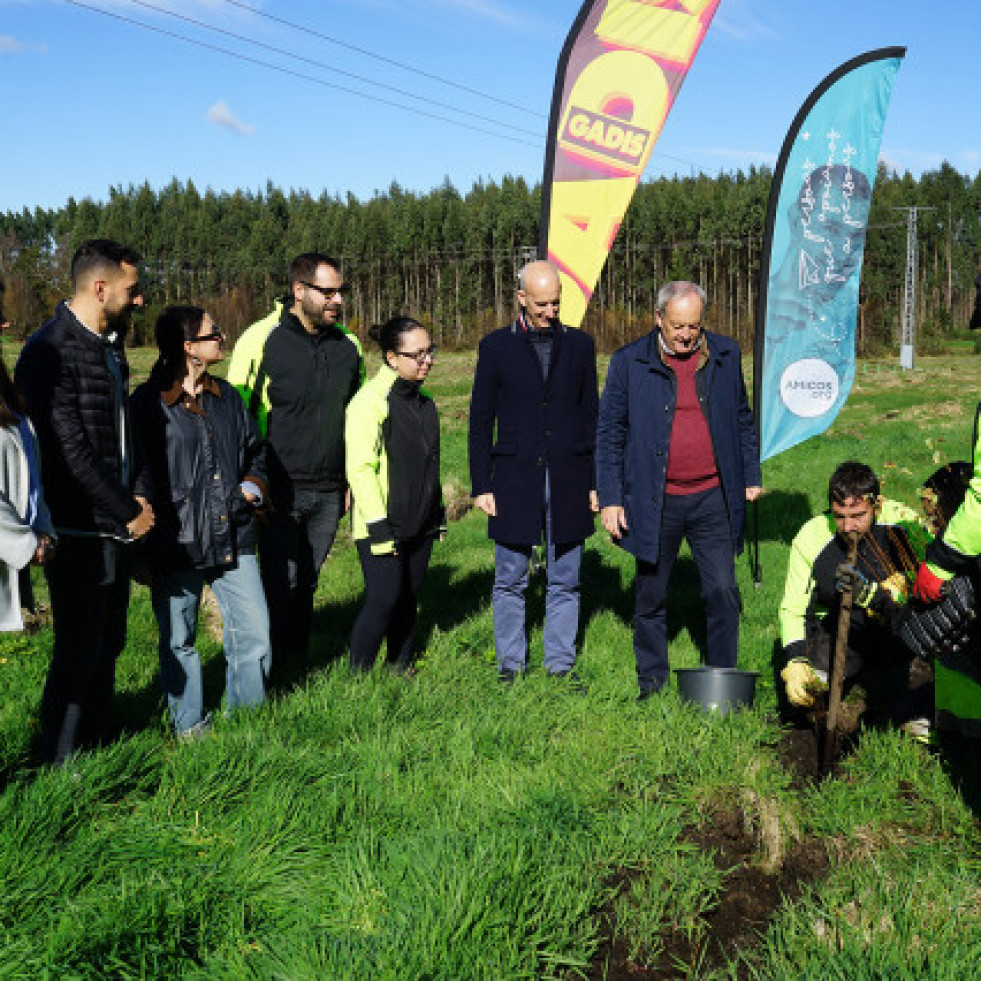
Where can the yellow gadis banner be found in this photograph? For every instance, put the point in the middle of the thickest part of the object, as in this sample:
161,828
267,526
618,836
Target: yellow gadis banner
619,72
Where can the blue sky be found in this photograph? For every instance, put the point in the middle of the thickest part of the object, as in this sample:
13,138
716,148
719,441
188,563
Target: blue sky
91,101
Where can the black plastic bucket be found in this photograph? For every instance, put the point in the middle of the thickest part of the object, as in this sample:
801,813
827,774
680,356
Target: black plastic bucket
721,690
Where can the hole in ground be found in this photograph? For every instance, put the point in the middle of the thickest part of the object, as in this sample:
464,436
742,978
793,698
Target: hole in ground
749,898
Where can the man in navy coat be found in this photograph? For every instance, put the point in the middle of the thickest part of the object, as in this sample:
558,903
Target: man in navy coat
534,478
676,458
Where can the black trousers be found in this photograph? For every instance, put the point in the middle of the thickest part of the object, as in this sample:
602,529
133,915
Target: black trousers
89,583
880,664
292,550
703,520
392,584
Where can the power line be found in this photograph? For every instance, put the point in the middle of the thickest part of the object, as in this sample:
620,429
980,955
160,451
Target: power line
329,68
305,29
296,74
390,61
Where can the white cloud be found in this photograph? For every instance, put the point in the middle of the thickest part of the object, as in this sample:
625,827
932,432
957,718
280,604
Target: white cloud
220,115
10,45
889,162
735,19
901,159
488,9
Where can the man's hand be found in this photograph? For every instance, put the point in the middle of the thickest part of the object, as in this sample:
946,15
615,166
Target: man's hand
848,579
614,520
928,587
487,504
753,493
347,500
143,522
44,552
594,502
801,683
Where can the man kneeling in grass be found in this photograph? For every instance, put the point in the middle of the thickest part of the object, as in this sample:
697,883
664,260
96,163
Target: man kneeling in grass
880,578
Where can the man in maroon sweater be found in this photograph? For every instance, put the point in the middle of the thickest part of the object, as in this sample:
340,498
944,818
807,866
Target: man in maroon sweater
677,459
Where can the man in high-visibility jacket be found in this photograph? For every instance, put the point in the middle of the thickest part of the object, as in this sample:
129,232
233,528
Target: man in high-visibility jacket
297,372
957,551
819,571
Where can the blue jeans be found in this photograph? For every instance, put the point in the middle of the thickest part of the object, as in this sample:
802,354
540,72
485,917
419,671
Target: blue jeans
561,606
703,520
176,598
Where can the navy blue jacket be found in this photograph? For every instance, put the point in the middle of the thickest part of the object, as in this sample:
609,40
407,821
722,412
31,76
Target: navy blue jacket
541,423
634,436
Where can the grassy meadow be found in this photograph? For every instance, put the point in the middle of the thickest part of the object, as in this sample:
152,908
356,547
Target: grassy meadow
450,827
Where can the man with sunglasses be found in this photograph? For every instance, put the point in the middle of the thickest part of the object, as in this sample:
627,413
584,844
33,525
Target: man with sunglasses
297,375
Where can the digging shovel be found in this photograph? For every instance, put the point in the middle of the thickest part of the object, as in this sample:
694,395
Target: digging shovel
837,676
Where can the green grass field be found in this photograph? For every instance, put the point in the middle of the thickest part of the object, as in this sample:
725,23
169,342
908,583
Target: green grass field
449,827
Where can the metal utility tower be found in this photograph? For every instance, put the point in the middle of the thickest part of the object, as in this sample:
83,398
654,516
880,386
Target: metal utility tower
909,294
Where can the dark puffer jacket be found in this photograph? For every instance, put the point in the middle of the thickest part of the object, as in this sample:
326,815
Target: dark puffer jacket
74,402
196,453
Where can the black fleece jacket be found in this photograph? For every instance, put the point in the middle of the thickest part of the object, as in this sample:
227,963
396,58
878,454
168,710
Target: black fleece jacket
312,377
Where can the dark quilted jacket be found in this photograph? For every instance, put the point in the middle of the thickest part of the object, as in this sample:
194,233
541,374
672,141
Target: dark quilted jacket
74,402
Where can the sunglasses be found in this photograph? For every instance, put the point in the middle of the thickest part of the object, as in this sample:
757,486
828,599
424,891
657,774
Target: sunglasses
327,291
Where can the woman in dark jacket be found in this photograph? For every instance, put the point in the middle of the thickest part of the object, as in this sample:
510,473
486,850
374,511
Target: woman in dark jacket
391,438
203,471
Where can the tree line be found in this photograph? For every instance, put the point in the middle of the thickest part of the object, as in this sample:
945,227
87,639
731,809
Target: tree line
450,258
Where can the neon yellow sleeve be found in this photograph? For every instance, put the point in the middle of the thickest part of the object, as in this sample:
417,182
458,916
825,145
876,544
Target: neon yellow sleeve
799,585
365,461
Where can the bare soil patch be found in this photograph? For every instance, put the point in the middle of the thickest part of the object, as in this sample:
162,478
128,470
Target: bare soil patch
749,898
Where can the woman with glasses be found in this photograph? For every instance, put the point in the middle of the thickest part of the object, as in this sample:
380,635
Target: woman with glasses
391,437
204,473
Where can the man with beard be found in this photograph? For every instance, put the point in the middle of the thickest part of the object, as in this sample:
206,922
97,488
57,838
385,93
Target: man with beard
73,375
297,377
818,572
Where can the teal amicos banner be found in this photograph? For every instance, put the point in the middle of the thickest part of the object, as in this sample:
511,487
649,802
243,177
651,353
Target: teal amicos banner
813,246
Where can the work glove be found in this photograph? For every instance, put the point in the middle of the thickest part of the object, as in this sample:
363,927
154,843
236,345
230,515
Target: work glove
945,627
863,590
801,682
928,587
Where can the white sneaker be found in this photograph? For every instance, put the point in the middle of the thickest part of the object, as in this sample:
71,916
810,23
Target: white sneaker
918,729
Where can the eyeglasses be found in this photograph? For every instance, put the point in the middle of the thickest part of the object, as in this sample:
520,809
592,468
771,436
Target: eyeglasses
420,357
327,291
217,335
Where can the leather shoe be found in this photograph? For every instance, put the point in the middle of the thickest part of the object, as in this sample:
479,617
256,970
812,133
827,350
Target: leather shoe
573,680
650,692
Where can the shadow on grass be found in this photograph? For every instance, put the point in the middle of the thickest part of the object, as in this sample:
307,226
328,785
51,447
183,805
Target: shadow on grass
781,515
606,587
444,604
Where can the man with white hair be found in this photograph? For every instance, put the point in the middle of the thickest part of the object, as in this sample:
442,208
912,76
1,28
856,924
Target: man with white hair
677,458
